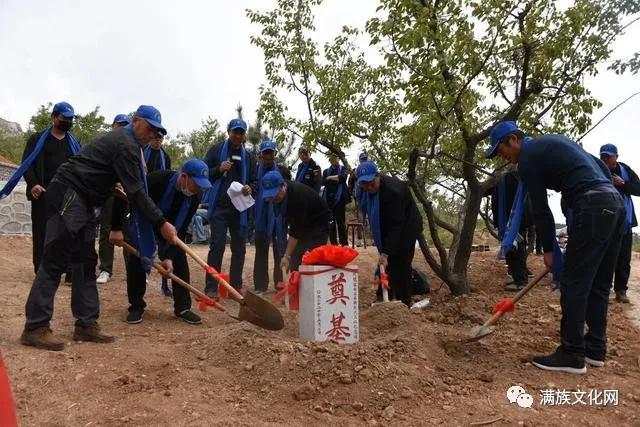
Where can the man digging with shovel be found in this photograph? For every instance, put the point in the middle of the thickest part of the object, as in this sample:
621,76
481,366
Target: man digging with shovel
596,225
177,194
80,185
395,224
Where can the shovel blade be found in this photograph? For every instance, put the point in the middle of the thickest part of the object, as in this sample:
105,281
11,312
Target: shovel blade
260,312
479,332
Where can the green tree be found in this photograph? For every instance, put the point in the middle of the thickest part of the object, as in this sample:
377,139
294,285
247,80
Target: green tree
339,88
462,67
85,126
196,143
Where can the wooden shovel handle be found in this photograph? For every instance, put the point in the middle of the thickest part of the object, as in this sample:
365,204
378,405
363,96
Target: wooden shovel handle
206,266
385,291
158,266
498,314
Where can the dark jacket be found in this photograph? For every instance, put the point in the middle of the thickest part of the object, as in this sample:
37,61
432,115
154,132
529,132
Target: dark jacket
400,219
331,187
630,187
155,161
307,213
511,181
313,177
112,157
54,153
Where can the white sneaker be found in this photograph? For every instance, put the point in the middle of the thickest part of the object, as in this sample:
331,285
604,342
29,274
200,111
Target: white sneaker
103,278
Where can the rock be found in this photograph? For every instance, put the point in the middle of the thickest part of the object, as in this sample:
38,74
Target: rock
388,413
358,368
358,406
366,373
486,377
167,393
79,377
284,358
346,379
249,367
406,393
304,392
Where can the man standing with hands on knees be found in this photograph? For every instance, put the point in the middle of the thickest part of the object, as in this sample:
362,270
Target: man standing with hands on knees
306,214
79,186
596,226
228,161
395,225
627,183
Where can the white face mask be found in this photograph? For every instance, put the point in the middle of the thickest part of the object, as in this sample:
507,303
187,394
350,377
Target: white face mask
185,190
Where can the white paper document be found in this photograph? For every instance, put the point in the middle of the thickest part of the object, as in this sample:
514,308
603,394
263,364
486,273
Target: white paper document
239,200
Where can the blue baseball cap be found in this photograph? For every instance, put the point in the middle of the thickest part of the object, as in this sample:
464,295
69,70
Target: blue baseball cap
237,124
366,171
121,118
363,157
609,150
271,182
268,145
65,109
152,116
198,171
498,132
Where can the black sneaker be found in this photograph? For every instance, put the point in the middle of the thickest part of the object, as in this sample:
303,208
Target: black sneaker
595,361
514,287
135,316
561,361
190,317
622,297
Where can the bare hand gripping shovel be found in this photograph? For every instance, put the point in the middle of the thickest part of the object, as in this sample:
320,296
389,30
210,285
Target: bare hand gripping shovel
253,309
481,331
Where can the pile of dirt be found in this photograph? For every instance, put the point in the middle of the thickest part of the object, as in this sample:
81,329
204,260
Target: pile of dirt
408,369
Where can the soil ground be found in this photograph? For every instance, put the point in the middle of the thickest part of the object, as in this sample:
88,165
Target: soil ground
408,368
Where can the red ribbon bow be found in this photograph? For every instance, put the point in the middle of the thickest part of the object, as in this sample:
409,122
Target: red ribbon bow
504,306
290,288
383,281
206,302
222,290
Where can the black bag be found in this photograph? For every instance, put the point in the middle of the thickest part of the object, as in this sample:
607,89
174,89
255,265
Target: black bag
419,282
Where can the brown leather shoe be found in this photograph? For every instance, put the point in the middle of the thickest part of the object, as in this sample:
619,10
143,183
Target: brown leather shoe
42,338
91,333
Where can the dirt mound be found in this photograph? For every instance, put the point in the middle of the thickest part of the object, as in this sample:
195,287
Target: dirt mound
408,369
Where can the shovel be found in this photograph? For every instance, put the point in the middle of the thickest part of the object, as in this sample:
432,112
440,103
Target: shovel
175,279
253,309
479,332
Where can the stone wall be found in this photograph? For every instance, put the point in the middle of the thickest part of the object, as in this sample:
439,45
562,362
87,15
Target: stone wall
15,211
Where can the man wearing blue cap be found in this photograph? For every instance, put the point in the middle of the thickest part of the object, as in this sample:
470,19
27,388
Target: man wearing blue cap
308,173
44,153
105,248
395,225
627,183
229,161
336,195
267,225
356,193
304,211
79,186
596,224
178,195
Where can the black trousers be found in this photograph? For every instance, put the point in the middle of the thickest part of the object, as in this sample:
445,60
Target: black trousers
38,228
623,266
261,263
517,262
137,284
306,243
399,270
339,223
69,240
105,248
590,260
223,219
